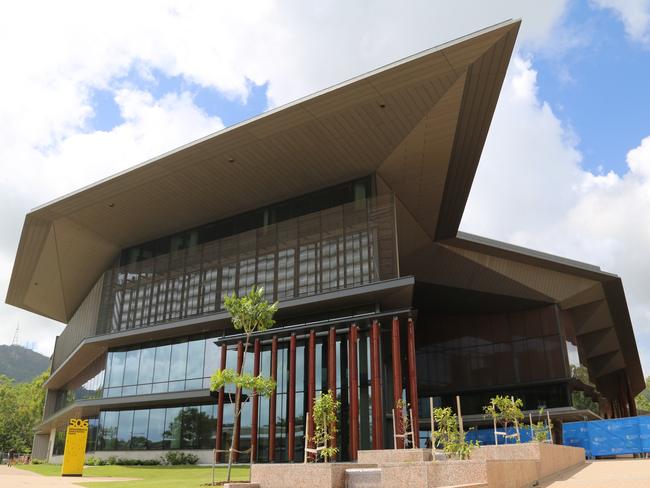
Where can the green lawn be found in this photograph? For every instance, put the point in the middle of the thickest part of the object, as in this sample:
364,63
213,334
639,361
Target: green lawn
151,476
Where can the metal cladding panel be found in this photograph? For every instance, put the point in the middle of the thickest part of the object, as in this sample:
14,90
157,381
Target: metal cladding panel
334,136
40,446
82,325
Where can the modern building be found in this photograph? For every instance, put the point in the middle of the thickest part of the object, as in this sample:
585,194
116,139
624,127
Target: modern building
345,207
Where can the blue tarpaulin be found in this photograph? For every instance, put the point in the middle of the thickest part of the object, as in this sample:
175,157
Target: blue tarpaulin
609,437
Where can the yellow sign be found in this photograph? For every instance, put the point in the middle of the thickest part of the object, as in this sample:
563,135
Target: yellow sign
74,454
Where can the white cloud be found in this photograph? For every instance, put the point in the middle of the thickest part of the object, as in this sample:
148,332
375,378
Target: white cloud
150,127
531,189
635,15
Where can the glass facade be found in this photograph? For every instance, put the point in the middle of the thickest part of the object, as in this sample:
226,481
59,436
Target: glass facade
181,365
476,356
462,353
183,427
89,385
332,248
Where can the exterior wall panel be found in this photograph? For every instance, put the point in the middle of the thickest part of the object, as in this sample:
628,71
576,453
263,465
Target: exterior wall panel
82,324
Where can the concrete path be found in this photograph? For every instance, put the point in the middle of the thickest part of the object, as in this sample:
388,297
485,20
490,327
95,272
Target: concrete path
19,478
615,473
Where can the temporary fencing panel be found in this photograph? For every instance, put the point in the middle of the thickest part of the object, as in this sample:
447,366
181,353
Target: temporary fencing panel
629,435
485,437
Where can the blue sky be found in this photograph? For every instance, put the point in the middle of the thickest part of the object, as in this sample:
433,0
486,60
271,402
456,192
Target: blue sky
601,88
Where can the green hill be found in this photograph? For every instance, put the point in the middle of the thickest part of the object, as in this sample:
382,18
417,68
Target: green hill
20,363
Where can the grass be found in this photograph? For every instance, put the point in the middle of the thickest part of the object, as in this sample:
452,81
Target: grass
150,476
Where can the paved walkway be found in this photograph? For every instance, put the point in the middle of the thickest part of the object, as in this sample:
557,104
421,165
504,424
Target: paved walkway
615,473
19,478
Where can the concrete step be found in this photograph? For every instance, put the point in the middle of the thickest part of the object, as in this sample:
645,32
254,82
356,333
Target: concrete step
363,478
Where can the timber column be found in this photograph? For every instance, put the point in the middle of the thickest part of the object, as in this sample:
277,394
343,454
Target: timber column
256,403
375,387
291,433
354,391
222,394
238,394
331,368
272,416
413,382
397,380
311,384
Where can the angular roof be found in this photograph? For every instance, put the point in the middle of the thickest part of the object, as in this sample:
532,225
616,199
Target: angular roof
420,124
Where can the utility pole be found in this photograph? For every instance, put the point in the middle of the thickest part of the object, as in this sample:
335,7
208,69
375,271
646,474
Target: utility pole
15,342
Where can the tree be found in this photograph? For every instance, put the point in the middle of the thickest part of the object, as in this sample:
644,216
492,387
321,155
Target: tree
505,410
643,398
448,436
21,409
250,313
325,410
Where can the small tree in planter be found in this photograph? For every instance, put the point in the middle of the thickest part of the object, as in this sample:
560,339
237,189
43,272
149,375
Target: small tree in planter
251,313
448,436
403,420
506,411
541,432
326,408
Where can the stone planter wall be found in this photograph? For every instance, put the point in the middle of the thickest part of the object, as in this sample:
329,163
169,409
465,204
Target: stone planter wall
549,458
298,475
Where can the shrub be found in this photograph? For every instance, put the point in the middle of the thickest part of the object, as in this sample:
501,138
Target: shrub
112,460
39,461
179,457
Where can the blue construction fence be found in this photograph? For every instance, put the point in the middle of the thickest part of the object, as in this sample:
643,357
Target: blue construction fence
485,437
629,435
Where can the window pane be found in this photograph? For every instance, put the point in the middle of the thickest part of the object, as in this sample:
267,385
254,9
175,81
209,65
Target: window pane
109,431
178,362
207,426
161,369
140,424
156,428
190,428
172,434
124,430
195,351
212,357
145,374
131,367
117,369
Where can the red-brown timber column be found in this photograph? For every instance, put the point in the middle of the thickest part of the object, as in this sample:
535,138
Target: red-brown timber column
413,382
222,395
291,433
235,441
331,367
255,407
354,391
272,417
375,387
397,379
311,386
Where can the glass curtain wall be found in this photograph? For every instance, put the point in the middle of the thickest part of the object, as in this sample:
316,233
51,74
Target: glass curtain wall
330,249
187,427
185,364
457,353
